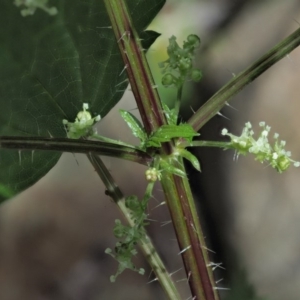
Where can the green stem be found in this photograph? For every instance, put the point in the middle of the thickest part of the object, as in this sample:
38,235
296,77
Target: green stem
139,74
190,236
178,100
108,140
75,146
216,144
146,244
218,100
177,192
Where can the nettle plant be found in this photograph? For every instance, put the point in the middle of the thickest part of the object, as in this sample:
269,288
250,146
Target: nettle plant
63,69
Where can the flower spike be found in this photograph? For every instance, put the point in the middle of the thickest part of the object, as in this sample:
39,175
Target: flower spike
275,154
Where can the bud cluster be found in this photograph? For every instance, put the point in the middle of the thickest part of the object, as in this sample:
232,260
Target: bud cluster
83,125
152,174
179,66
274,154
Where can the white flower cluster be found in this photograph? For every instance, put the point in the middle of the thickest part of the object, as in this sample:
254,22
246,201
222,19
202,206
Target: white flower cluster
83,125
30,7
152,174
275,155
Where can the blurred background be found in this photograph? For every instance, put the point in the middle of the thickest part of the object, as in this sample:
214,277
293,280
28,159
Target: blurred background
53,236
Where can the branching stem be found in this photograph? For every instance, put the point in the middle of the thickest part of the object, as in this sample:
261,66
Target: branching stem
177,190
75,146
236,84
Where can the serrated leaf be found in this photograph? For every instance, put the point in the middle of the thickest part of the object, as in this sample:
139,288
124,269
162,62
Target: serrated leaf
170,114
168,132
166,166
49,67
134,124
191,158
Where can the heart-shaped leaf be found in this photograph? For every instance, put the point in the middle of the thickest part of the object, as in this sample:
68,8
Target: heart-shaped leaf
49,67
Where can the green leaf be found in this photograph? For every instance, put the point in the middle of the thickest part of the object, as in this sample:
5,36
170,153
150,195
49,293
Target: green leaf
134,124
168,132
49,67
170,114
148,38
191,158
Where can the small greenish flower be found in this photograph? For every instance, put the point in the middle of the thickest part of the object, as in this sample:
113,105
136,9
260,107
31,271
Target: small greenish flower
30,6
152,174
263,151
179,66
83,125
242,143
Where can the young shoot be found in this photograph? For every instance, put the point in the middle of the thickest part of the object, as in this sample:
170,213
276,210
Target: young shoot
164,134
274,154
